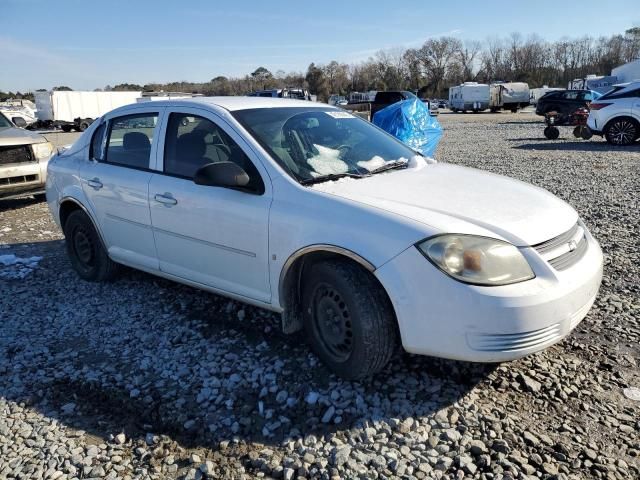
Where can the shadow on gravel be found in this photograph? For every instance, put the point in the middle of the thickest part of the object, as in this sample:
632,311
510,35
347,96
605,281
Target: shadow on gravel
576,146
82,386
15,203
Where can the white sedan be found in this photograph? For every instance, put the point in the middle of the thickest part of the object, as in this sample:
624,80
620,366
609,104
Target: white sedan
307,210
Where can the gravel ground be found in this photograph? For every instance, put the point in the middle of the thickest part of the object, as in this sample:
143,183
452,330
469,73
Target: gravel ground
145,378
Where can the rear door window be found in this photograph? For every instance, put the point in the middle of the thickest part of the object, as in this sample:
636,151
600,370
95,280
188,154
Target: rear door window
130,139
96,152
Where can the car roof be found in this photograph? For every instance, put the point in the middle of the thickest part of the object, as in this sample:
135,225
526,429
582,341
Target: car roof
236,103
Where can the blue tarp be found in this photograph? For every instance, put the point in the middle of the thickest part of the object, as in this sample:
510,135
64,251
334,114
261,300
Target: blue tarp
411,122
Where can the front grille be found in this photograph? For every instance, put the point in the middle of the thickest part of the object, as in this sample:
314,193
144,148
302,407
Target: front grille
16,154
566,249
513,342
19,179
570,258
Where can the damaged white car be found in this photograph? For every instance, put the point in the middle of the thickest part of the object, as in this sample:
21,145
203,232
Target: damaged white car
309,211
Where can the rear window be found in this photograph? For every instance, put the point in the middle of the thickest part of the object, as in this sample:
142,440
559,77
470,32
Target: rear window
388,97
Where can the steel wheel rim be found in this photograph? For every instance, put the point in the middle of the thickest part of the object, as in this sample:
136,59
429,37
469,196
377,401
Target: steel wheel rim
332,322
622,132
83,247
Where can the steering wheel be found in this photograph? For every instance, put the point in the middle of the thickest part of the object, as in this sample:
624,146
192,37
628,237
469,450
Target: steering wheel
344,149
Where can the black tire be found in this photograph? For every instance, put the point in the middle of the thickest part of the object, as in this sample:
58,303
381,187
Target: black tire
66,128
586,133
83,126
622,131
577,132
552,133
348,319
514,110
86,253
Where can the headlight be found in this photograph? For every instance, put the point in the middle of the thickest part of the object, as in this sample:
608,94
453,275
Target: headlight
42,150
477,260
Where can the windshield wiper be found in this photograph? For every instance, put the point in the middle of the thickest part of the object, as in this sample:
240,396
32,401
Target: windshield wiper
329,177
390,166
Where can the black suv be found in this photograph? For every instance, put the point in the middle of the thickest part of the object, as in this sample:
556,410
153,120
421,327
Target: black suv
564,102
384,99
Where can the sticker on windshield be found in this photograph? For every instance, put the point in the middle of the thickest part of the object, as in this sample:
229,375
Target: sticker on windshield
337,114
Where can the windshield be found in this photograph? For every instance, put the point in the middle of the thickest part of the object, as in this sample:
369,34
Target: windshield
4,122
311,143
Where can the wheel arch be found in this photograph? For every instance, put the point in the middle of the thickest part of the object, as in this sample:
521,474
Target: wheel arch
291,276
70,204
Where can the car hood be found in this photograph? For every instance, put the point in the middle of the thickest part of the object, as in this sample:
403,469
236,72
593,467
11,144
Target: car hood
457,199
18,136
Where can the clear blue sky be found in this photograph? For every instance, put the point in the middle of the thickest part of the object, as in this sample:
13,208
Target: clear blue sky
87,44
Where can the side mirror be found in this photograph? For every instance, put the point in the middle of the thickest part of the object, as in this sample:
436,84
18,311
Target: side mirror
19,122
221,174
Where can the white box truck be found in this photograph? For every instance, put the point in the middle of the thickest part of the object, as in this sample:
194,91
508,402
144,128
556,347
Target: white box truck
472,96
75,110
508,96
628,72
597,83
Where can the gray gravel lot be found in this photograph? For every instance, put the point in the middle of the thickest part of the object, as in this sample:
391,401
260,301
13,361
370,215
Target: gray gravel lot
145,378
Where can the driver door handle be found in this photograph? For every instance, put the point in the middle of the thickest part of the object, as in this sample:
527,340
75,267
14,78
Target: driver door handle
165,199
95,183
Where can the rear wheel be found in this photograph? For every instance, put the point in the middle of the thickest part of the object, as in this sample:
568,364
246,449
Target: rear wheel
348,319
87,254
83,126
621,131
552,133
66,128
586,133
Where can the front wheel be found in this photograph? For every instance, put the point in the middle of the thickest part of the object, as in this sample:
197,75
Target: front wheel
348,319
621,131
85,250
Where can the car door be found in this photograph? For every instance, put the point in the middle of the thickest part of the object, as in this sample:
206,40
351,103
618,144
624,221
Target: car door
115,181
211,235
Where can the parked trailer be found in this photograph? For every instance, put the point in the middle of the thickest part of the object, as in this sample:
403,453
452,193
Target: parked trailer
536,93
75,110
597,83
469,96
508,96
628,72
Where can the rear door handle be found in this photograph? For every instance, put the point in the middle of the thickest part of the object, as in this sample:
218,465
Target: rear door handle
95,183
165,199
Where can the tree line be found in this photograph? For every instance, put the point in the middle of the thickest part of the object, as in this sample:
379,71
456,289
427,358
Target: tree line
435,66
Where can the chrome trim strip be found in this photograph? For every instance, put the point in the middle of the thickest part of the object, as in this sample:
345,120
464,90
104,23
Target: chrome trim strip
554,251
204,242
126,220
184,237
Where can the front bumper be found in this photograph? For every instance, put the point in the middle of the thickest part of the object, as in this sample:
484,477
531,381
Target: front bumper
442,317
22,178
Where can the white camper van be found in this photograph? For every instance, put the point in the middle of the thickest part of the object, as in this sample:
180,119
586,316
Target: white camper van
469,96
508,96
75,109
536,93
